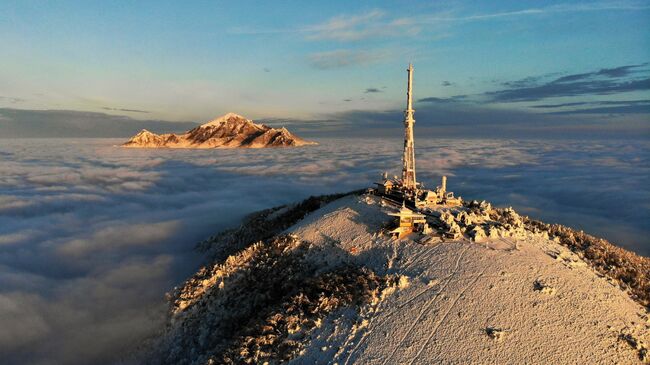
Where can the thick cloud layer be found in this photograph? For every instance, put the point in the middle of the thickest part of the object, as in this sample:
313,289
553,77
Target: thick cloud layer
92,236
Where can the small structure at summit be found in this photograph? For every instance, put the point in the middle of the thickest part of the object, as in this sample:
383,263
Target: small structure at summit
409,222
440,196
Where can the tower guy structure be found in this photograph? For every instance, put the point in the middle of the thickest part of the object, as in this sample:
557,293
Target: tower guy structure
408,171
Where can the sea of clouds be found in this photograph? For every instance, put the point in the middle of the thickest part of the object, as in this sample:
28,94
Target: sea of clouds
92,235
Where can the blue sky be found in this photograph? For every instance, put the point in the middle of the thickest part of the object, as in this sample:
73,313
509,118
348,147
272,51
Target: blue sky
194,60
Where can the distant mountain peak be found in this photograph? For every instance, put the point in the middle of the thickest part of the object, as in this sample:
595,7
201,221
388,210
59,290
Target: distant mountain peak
230,130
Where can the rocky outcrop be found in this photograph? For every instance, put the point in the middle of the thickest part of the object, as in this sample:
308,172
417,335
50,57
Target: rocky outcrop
228,131
479,221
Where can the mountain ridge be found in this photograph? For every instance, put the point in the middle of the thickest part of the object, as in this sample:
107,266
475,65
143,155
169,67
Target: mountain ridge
230,130
320,282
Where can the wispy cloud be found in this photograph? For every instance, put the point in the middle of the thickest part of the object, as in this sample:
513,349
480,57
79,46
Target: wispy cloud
536,88
347,28
126,110
378,23
592,103
343,28
11,99
436,100
629,107
344,58
615,72
601,82
560,8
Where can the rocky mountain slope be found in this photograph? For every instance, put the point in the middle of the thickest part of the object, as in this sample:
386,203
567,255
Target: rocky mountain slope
321,283
228,131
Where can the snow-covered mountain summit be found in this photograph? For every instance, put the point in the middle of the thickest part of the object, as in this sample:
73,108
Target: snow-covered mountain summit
227,131
224,118
321,282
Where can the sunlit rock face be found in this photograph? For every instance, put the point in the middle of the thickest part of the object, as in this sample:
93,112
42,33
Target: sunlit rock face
228,131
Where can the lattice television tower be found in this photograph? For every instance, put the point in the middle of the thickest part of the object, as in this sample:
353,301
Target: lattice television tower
408,171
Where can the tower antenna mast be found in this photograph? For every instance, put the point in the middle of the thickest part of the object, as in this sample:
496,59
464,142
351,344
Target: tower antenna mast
408,171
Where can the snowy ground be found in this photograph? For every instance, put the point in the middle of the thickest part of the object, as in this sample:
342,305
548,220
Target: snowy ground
500,301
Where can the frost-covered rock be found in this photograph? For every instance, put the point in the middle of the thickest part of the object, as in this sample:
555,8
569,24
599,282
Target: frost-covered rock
477,233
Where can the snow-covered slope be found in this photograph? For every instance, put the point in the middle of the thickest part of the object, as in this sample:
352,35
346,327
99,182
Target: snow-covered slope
228,131
332,288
